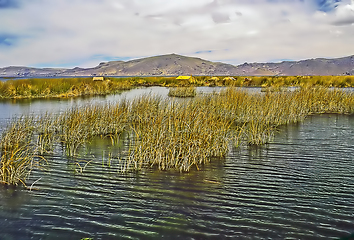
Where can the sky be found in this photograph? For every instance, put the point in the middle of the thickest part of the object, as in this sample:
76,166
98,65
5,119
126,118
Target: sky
83,33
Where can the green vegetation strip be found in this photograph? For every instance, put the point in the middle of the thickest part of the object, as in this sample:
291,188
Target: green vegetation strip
73,87
161,133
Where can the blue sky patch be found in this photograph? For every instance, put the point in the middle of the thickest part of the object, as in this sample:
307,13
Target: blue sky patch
9,3
327,5
7,40
200,52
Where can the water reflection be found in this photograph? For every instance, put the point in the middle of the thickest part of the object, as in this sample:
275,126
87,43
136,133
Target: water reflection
12,198
18,107
297,187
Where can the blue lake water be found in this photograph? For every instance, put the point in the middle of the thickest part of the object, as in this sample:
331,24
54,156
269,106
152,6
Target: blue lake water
300,186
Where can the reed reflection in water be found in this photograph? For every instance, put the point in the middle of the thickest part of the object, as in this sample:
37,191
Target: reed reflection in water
297,187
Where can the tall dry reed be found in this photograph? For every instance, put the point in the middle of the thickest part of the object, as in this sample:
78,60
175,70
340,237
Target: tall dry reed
60,87
182,92
17,152
177,135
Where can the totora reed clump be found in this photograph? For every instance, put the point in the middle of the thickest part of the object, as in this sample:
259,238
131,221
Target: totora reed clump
165,134
17,152
182,92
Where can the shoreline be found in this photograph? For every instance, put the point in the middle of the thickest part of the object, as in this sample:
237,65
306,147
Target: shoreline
41,88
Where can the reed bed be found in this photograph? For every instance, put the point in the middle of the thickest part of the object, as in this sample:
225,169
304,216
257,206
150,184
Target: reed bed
164,134
177,136
17,152
59,87
182,92
276,82
73,87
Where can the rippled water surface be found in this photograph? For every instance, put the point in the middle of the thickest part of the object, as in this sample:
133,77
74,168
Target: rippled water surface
300,186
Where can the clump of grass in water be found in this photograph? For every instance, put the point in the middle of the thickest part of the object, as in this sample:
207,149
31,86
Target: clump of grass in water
258,115
179,136
46,131
73,133
170,134
78,126
17,152
254,132
182,92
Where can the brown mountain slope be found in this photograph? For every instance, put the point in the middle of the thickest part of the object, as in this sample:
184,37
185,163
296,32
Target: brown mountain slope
311,67
164,65
173,65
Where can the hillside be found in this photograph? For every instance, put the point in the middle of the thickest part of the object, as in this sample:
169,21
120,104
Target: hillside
173,65
164,65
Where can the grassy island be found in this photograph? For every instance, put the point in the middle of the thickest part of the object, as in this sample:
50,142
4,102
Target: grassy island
164,134
182,92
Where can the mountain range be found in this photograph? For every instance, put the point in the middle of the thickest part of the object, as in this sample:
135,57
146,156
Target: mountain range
174,65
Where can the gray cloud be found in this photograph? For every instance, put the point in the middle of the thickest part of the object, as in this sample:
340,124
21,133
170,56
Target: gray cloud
220,17
342,22
344,14
86,32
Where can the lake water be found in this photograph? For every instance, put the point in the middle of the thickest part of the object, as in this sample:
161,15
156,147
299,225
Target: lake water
300,186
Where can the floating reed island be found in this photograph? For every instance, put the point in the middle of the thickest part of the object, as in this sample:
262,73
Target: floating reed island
60,87
181,87
162,133
182,92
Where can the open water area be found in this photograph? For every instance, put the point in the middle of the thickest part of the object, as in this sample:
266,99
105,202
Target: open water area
299,186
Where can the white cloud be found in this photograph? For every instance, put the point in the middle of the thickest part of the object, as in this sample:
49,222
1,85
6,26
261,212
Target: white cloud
343,14
80,31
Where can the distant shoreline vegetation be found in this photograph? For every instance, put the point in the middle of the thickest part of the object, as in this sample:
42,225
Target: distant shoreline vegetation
85,86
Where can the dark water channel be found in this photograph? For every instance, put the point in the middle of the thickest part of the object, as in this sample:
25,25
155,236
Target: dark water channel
300,186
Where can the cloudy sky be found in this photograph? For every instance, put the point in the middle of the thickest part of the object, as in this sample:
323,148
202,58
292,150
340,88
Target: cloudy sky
69,33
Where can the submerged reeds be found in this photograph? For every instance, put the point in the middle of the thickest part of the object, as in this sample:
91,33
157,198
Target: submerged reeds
165,134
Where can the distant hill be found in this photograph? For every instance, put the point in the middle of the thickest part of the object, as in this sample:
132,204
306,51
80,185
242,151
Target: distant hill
164,65
309,67
173,65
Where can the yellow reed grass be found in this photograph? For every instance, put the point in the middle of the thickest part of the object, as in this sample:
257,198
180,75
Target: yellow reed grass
17,152
165,134
182,92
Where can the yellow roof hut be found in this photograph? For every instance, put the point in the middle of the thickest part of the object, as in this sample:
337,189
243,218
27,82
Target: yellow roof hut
191,79
98,79
184,77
